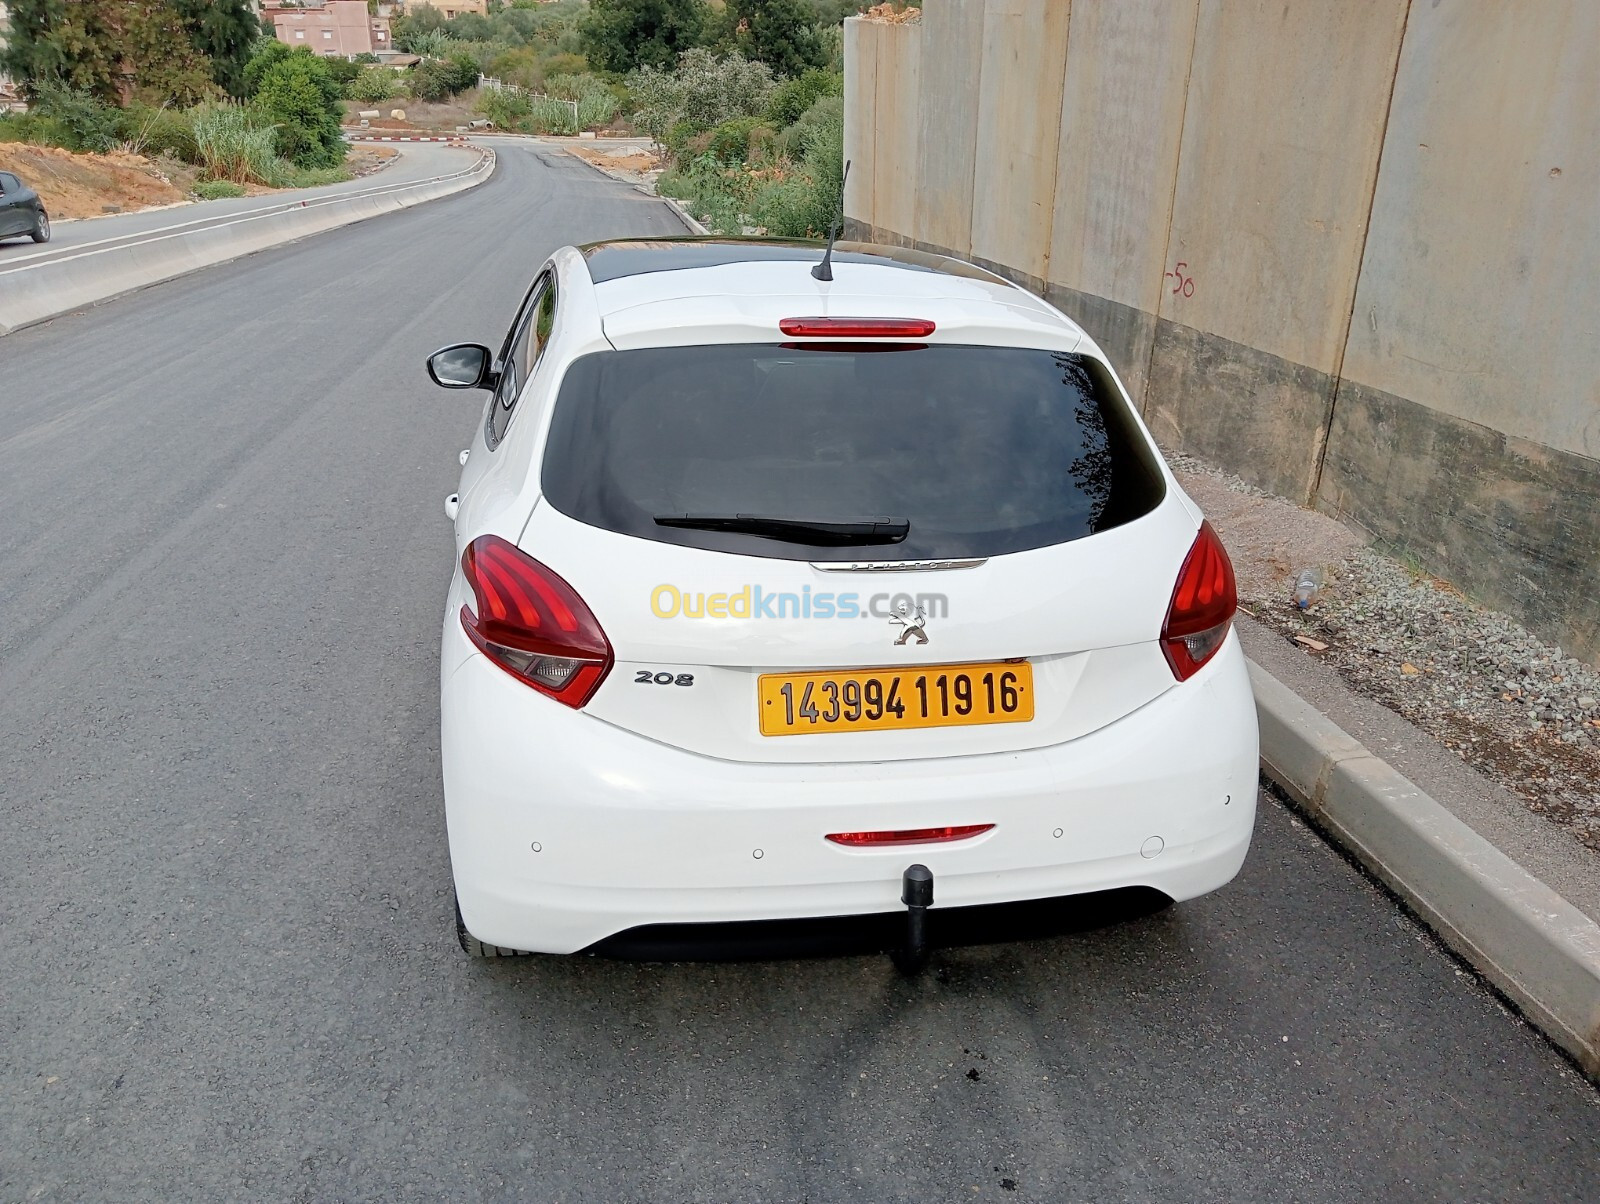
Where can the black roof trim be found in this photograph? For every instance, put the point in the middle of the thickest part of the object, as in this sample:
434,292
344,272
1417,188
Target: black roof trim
639,256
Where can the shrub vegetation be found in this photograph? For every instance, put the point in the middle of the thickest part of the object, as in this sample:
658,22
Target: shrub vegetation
285,134
743,95
217,190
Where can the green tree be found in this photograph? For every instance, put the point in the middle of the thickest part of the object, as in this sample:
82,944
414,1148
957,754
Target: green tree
414,25
267,53
112,49
302,98
158,64
430,80
806,202
703,92
440,79
374,85
105,47
832,12
109,48
794,96
345,71
469,27
514,26
432,44
70,44
72,118
519,66
622,35
225,31
464,73
779,33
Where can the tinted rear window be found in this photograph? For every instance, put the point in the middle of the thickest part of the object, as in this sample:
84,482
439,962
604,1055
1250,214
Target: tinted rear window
983,450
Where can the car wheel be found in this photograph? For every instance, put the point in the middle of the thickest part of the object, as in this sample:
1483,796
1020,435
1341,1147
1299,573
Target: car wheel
473,947
41,227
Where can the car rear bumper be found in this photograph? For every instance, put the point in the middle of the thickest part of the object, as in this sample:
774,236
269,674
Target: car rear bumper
565,830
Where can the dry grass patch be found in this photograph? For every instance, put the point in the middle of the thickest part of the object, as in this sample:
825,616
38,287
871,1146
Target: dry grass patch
88,185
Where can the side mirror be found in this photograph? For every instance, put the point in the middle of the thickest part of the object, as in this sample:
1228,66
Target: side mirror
463,366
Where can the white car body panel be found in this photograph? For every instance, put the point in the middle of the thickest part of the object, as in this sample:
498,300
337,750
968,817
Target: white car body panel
649,804
630,832
754,319
1095,658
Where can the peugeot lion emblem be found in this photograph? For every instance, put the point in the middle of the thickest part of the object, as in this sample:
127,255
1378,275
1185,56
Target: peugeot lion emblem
911,620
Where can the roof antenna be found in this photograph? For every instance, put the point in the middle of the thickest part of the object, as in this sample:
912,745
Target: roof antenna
824,270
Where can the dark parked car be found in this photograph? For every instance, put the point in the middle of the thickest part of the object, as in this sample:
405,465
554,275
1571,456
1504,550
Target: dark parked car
21,210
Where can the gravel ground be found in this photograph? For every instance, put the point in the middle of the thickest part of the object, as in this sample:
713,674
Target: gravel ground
1518,710
631,161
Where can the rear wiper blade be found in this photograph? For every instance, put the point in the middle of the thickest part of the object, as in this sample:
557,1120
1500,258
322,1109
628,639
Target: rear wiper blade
817,532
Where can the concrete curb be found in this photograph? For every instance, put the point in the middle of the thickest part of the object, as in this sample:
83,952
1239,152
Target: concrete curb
1533,945
684,215
32,293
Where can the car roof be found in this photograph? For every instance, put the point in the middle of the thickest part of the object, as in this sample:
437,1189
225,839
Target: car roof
617,258
646,282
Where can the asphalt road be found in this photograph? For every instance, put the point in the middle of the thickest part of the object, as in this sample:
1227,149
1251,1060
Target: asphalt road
416,161
227,964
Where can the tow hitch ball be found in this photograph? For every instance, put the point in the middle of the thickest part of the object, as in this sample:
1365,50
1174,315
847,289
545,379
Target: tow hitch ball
916,892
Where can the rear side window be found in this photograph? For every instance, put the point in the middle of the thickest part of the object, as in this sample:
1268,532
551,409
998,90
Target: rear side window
522,354
982,450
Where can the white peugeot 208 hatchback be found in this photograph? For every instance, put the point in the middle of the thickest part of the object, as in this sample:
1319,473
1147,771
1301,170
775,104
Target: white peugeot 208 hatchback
787,594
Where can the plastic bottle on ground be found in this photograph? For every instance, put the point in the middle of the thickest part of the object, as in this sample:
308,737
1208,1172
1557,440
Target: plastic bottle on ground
1305,588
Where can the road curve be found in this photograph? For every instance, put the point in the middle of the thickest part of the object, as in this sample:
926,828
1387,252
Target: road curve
227,965
415,162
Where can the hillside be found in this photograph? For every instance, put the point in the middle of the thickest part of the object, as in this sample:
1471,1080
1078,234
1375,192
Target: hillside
87,185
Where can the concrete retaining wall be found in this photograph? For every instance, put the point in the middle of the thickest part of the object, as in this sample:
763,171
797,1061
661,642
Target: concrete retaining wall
951,37
1019,123
1281,133
1467,423
1348,251
1122,107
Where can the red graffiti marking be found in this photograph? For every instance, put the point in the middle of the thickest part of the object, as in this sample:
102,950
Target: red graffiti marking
1182,285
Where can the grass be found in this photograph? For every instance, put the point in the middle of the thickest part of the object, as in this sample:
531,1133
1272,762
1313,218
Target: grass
290,176
716,195
217,190
234,147
230,146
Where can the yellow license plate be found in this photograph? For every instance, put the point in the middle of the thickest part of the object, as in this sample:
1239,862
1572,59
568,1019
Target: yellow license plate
874,700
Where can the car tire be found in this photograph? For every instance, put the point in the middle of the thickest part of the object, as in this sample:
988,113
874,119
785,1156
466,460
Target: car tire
473,947
41,227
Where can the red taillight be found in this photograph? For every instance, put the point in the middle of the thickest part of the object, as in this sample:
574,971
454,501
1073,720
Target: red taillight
857,328
532,623
1202,606
859,840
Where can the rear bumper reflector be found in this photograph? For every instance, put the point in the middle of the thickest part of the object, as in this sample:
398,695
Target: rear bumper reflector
858,840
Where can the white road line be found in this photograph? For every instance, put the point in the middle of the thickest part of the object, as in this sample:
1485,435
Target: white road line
162,233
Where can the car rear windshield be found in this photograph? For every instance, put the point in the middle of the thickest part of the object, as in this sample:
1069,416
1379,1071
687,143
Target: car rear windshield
979,450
